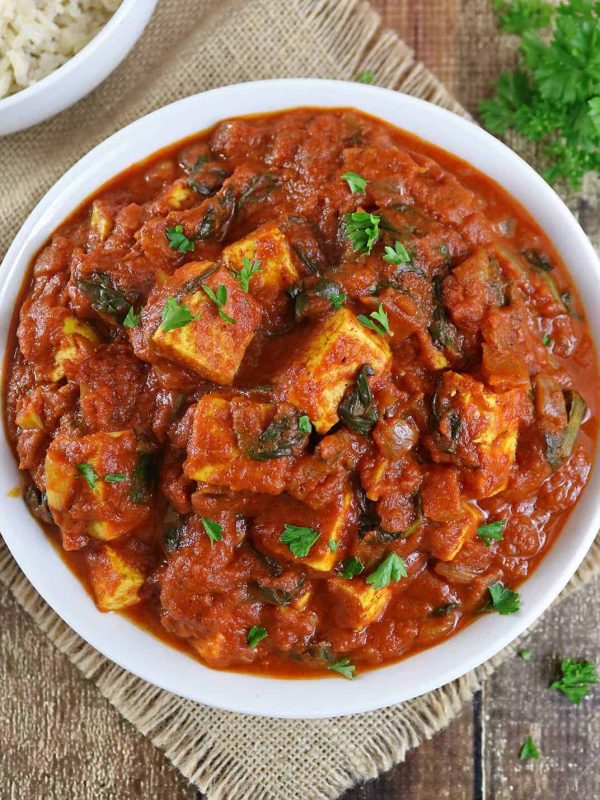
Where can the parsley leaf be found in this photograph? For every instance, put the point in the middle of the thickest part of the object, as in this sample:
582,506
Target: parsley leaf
87,471
304,424
255,635
546,340
398,254
365,77
576,679
392,568
350,567
248,269
362,230
298,539
504,600
345,668
519,16
219,298
115,477
132,320
179,241
528,749
332,545
492,531
526,655
175,315
214,531
337,300
377,321
356,183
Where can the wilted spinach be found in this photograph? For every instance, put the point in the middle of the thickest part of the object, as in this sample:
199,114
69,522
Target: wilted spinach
278,438
104,297
357,409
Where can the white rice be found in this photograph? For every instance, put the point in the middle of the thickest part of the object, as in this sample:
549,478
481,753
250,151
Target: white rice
37,36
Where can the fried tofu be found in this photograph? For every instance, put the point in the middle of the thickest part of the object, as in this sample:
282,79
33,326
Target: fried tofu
209,345
106,511
267,245
356,603
115,580
327,363
72,328
216,453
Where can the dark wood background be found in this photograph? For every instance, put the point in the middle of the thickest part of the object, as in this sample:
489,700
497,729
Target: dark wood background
475,758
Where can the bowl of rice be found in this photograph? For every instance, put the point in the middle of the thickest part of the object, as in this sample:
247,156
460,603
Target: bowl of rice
53,52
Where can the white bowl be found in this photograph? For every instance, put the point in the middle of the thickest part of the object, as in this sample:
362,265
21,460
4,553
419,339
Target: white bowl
80,74
146,656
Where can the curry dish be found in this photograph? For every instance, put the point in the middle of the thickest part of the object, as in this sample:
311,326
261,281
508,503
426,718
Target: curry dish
302,393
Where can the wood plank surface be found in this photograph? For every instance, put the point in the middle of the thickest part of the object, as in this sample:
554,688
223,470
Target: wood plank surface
476,758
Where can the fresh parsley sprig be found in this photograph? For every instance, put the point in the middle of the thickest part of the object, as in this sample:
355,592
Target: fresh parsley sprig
504,600
255,635
213,530
398,254
175,315
219,298
299,539
356,183
492,531
528,749
392,568
362,230
179,241
345,668
377,321
575,679
249,268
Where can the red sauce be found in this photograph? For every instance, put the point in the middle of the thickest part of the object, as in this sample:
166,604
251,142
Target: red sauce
246,414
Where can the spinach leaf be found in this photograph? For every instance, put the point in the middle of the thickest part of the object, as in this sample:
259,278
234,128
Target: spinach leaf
104,297
144,477
218,217
357,409
278,438
259,188
441,330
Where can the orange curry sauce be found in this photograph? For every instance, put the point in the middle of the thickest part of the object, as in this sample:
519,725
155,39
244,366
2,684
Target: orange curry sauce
196,368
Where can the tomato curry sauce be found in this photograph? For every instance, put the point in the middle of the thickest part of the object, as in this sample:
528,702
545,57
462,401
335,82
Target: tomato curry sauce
303,393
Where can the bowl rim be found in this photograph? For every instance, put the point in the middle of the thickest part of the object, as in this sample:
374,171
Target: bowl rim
137,651
62,73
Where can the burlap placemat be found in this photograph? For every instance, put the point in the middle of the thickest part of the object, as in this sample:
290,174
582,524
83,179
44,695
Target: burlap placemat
189,46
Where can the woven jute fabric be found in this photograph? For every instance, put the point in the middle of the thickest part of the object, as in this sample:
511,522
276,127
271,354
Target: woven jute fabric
189,46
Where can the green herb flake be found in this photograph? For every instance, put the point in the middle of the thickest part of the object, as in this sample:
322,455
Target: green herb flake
365,77
377,321
398,254
356,183
503,599
132,320
175,315
249,268
337,300
362,230
345,668
219,298
304,424
575,680
526,655
299,539
350,567
528,750
179,241
115,477
546,340
87,471
214,531
392,568
332,545
492,531
255,635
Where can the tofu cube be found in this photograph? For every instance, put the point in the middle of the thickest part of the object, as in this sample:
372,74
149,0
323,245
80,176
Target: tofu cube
106,511
178,195
211,346
447,540
216,455
115,580
29,417
327,362
213,648
278,272
357,602
72,328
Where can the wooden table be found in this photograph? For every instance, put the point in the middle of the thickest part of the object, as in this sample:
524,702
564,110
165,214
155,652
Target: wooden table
476,758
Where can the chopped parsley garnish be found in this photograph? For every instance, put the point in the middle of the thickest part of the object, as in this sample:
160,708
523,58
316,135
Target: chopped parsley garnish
332,545
526,655
179,241
356,183
576,679
214,531
248,269
362,230
219,298
528,750
492,531
377,321
337,300
115,477
350,567
503,599
132,320
365,77
546,340
304,424
87,471
345,667
298,539
255,635
175,315
398,254
392,568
